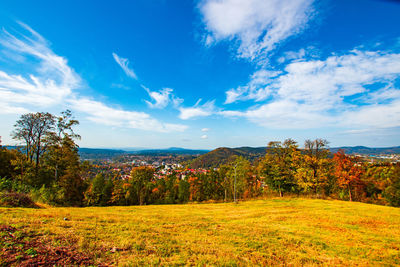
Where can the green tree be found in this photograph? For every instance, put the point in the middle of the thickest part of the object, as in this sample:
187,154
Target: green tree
140,178
392,191
238,173
183,191
6,159
279,166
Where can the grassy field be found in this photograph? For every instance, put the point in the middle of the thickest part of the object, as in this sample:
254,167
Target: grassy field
264,232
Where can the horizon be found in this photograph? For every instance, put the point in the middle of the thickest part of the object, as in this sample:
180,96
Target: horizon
138,149
205,73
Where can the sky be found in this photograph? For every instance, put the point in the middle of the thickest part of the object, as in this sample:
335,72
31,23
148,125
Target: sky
207,73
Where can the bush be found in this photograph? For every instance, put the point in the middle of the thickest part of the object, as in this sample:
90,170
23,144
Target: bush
14,199
13,185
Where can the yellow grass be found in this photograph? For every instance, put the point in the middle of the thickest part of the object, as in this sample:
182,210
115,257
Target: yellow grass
264,232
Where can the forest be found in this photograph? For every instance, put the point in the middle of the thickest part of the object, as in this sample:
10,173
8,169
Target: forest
46,168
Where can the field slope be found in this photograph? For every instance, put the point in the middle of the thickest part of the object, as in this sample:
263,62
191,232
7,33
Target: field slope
264,232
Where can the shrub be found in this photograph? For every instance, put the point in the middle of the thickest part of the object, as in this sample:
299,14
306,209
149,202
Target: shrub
14,199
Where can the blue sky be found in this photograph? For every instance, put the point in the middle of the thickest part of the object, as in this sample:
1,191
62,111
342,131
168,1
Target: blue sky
207,73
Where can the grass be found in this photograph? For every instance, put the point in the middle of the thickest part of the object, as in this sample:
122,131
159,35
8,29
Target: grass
284,231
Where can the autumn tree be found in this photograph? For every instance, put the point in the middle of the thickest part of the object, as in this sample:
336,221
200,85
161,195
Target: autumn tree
348,173
314,166
279,165
35,131
60,140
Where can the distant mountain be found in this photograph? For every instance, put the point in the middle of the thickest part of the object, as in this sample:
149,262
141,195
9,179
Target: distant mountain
102,153
363,150
171,151
99,153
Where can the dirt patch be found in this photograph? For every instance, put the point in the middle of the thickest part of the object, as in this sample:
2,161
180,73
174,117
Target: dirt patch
19,248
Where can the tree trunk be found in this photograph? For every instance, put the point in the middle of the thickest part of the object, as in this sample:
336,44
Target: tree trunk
351,199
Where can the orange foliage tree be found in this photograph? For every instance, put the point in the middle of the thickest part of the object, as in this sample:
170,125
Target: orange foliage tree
347,172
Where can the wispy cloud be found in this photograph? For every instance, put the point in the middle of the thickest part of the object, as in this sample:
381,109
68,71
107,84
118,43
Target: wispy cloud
49,82
197,110
352,89
257,89
257,26
100,113
205,129
162,98
204,136
52,82
124,64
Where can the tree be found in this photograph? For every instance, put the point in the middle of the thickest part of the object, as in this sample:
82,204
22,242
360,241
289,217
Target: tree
183,191
35,130
347,172
6,159
392,191
140,178
279,165
63,134
314,166
238,173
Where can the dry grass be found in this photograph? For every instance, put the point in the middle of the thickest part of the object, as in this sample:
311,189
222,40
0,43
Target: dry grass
284,231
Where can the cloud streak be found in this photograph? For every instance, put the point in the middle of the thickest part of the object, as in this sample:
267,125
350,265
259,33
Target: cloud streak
124,64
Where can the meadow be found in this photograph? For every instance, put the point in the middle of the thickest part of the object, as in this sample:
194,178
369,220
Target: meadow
278,231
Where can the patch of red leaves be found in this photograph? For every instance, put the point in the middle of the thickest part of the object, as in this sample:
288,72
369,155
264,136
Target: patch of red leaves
18,248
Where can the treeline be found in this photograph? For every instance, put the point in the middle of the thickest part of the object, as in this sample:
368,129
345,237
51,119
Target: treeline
47,166
48,169
285,169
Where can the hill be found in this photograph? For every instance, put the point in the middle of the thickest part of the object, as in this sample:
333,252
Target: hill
273,232
222,155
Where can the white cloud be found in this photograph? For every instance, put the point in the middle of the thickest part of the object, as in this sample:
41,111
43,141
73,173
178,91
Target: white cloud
257,89
51,82
296,55
197,110
204,136
352,89
258,26
205,130
162,98
103,114
124,64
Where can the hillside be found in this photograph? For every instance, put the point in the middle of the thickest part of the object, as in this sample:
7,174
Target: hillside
222,155
273,232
